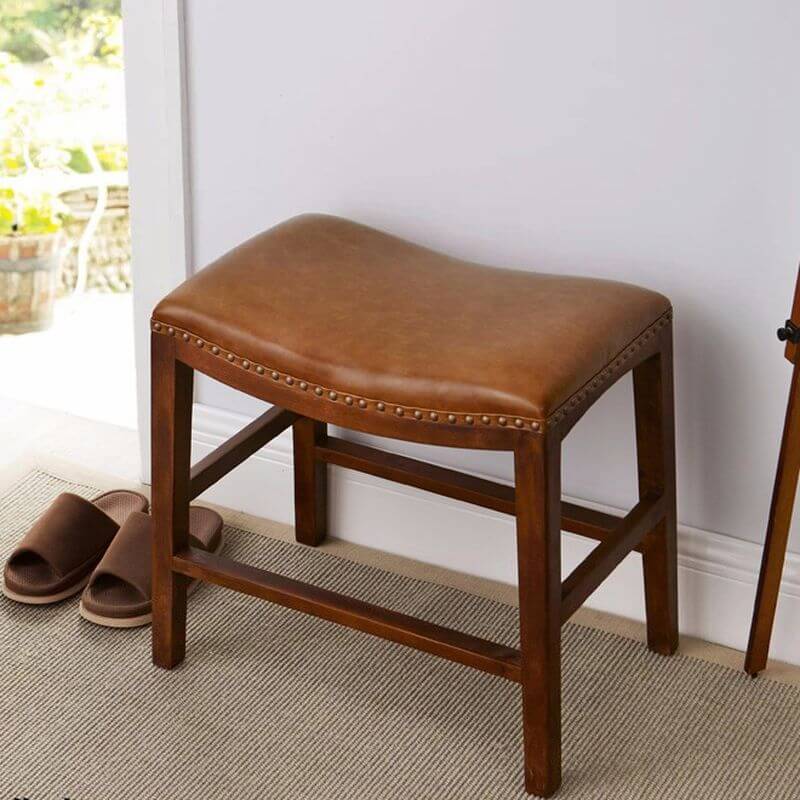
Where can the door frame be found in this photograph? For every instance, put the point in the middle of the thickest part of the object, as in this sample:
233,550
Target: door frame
158,147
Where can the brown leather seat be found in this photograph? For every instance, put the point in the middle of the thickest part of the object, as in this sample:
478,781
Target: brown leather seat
349,311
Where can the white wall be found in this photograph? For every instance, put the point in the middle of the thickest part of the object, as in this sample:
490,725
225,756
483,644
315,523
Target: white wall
651,142
159,176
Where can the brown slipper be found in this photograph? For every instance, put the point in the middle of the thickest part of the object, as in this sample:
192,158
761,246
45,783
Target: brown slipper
56,557
119,591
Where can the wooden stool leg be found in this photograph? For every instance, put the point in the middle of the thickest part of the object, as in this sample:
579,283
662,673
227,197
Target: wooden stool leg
310,483
171,454
655,447
537,468
780,518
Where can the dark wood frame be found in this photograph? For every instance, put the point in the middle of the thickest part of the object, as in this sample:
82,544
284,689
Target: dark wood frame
780,516
546,602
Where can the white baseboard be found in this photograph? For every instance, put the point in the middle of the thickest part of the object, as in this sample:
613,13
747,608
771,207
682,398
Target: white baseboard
718,573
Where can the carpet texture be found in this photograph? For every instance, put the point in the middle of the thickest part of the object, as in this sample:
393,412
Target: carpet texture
274,704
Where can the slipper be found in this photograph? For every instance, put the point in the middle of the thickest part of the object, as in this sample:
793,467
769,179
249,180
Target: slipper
56,557
119,591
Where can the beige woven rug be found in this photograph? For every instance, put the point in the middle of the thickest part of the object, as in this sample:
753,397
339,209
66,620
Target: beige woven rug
274,704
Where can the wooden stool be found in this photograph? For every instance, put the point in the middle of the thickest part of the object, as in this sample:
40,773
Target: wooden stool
333,322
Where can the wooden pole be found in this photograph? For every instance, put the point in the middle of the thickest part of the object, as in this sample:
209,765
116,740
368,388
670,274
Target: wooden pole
780,514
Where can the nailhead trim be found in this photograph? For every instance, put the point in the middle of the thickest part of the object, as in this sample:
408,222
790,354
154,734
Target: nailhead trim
592,387
606,375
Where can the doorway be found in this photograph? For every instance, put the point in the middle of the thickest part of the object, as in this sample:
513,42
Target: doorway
66,306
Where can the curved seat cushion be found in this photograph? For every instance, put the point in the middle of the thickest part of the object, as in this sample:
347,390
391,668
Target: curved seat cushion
357,312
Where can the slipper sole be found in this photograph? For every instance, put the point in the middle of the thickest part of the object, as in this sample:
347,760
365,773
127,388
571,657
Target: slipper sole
46,599
143,619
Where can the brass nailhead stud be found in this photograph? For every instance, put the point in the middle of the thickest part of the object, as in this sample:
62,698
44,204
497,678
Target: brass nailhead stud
215,350
332,395
186,337
289,380
157,326
230,356
274,375
199,342
418,414
535,425
451,418
519,423
171,331
380,407
348,400
399,411
469,420
246,364
362,403
485,420
260,370
318,391
303,385
501,420
434,416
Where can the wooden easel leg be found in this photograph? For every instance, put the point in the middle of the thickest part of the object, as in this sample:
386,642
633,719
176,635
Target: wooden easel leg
655,448
780,517
537,461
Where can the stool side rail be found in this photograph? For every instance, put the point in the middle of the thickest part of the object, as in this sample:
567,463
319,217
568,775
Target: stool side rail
602,561
238,448
457,485
447,643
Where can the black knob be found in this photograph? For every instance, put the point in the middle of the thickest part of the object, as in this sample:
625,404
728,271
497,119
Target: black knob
789,333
